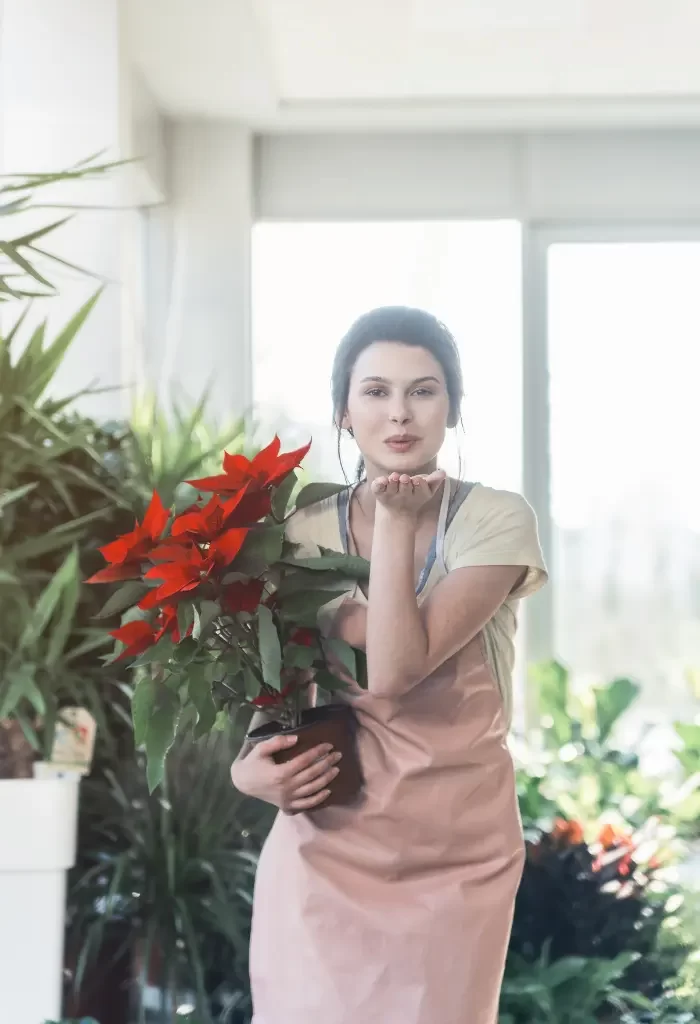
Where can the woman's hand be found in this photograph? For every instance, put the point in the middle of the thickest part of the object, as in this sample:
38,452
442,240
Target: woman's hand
406,495
299,785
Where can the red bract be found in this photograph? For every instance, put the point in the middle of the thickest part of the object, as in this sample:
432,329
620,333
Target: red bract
267,469
127,553
304,637
206,523
167,623
242,597
271,700
183,566
187,570
137,636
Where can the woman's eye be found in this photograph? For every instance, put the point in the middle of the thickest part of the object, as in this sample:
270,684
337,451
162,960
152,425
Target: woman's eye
422,392
375,392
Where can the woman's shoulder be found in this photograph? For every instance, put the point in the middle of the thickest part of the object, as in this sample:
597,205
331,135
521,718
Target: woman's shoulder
316,525
481,502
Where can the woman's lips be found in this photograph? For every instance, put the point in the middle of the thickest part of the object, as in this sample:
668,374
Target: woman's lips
401,444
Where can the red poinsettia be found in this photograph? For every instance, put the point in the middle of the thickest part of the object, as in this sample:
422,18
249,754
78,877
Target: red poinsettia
267,469
182,567
127,553
567,833
208,522
618,846
242,596
304,637
139,635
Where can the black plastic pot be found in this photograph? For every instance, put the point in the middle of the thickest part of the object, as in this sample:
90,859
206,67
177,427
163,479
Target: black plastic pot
330,723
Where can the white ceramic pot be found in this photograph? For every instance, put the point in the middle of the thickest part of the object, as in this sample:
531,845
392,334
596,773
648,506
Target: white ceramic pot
38,822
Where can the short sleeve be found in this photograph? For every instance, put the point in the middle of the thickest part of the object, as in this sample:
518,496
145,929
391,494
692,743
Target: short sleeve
494,527
315,527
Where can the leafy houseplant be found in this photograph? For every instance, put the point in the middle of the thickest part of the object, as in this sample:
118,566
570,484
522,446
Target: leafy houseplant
572,767
598,901
221,614
24,262
164,882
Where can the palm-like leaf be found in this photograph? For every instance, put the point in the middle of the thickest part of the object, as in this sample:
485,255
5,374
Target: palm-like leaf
24,266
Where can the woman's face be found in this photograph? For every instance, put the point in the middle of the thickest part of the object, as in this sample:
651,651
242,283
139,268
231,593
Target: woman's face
398,407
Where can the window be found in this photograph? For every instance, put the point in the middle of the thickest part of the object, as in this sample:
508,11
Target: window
624,366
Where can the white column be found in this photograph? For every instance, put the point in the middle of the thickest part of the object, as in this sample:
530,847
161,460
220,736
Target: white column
60,86
37,848
198,292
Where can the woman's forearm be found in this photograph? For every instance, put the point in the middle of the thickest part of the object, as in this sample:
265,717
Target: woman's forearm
396,638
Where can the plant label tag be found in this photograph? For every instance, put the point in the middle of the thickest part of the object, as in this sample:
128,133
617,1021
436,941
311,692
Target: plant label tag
74,741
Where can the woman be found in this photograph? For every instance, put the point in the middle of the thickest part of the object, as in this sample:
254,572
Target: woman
398,910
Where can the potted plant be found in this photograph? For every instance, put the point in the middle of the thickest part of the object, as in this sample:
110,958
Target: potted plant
220,615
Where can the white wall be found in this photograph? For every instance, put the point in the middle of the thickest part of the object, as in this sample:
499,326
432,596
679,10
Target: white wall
198,258
557,176
66,93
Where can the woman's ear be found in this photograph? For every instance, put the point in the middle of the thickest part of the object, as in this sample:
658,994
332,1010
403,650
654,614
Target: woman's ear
344,422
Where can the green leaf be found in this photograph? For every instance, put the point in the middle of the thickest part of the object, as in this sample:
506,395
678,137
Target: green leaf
251,683
329,683
551,682
261,548
129,594
199,691
270,651
8,497
48,601
312,493
160,735
281,497
611,702
65,622
185,619
303,609
17,684
297,656
351,566
344,653
141,706
208,611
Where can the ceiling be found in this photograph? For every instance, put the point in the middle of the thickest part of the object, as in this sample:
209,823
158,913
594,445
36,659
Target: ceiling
419,63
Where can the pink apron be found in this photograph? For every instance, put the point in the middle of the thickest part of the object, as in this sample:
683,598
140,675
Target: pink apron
398,910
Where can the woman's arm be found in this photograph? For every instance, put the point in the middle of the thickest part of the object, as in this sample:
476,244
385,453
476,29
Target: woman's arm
405,643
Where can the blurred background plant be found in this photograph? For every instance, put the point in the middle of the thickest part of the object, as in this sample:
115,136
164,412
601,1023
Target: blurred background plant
571,765
164,884
25,266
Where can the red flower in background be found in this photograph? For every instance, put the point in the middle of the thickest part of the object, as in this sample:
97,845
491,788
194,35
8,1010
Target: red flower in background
126,554
567,833
267,469
611,837
618,846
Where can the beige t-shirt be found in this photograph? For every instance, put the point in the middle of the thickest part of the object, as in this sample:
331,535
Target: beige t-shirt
489,527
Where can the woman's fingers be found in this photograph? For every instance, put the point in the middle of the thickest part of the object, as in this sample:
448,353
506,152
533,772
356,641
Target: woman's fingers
292,768
312,787
316,771
309,802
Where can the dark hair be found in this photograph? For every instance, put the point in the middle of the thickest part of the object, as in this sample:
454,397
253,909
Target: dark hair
407,326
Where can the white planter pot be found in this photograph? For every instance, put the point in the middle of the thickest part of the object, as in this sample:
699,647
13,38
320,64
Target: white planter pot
38,820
